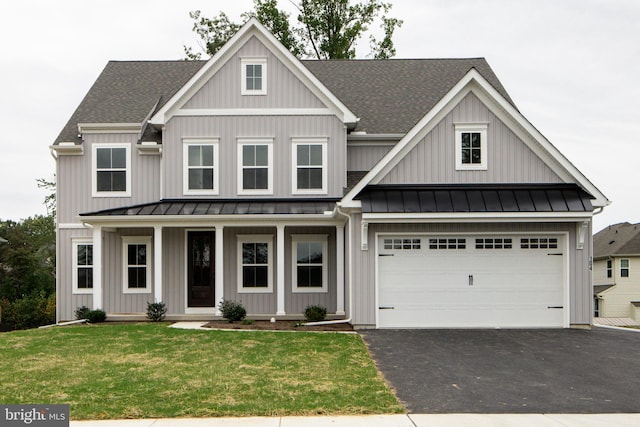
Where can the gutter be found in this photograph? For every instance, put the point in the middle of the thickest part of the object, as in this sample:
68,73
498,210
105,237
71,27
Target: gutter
348,319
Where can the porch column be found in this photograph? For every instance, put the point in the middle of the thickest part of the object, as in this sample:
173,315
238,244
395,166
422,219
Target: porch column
340,270
157,263
97,267
219,267
280,270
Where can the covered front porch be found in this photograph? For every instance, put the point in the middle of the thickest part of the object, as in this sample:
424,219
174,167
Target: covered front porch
275,258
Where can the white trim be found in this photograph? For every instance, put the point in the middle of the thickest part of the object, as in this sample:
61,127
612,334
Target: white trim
218,288
233,112
187,308
75,242
157,266
295,142
205,221
478,217
149,148
310,238
71,226
340,263
461,128
94,170
97,267
280,291
136,240
474,82
255,238
566,286
68,149
92,128
253,29
191,142
240,167
262,62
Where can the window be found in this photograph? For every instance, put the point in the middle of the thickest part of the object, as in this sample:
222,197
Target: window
136,264
609,268
624,268
471,146
309,263
255,173
447,243
402,244
254,264
254,76
309,166
111,170
200,166
539,243
493,243
82,266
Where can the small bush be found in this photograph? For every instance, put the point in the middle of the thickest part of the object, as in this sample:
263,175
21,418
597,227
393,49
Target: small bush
81,312
232,311
315,313
96,316
156,311
248,322
30,311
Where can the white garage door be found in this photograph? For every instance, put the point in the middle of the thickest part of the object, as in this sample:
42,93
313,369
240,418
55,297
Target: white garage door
470,281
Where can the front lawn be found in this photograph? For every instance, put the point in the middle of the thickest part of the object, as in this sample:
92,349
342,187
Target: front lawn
150,370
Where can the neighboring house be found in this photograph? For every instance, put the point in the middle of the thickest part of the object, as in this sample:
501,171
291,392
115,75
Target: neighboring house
616,271
396,193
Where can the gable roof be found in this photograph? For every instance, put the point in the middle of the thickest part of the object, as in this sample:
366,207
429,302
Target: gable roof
392,95
617,240
475,82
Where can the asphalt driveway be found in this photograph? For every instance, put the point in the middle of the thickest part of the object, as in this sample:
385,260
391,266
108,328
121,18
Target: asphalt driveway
510,371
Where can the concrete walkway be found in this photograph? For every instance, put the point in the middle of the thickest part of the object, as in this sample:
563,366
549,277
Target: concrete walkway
410,420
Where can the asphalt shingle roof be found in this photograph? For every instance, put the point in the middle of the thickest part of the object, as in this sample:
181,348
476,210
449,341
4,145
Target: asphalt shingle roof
617,239
389,96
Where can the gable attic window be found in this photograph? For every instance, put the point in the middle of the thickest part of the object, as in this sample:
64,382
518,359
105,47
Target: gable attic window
254,76
471,146
111,170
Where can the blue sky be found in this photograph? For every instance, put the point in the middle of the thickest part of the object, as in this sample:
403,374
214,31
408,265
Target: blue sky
570,66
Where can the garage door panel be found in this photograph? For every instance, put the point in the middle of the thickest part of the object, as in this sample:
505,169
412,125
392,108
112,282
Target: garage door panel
470,287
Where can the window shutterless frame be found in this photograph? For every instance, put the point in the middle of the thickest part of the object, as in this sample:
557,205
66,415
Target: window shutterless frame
82,265
309,166
471,146
111,170
253,76
137,265
200,165
255,166
255,263
625,267
309,263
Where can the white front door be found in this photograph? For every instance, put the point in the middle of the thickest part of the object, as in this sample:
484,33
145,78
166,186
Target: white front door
482,281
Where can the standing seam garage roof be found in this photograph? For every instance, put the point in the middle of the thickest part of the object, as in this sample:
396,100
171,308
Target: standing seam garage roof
388,96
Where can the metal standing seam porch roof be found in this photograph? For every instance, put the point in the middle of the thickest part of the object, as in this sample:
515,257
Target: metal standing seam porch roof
181,207
474,198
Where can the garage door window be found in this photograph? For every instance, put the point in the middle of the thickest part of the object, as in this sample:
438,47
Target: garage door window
493,243
402,244
447,243
539,243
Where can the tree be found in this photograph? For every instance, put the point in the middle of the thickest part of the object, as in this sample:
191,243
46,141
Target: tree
50,199
326,29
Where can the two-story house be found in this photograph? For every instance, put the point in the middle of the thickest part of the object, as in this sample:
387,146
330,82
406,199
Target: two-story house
616,254
396,193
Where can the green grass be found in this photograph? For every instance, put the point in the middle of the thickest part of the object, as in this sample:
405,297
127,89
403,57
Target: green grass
150,370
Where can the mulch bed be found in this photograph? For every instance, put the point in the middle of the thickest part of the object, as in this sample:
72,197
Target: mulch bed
280,325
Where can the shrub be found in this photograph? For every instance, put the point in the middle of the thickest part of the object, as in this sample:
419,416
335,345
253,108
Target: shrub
81,312
96,316
156,311
232,311
315,313
30,311
248,322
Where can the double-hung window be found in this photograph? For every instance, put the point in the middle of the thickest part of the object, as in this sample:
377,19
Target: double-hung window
255,169
136,263
309,166
471,146
609,268
254,76
254,264
111,170
82,266
624,267
200,166
309,263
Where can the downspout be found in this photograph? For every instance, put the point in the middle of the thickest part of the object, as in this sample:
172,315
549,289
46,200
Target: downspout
350,240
